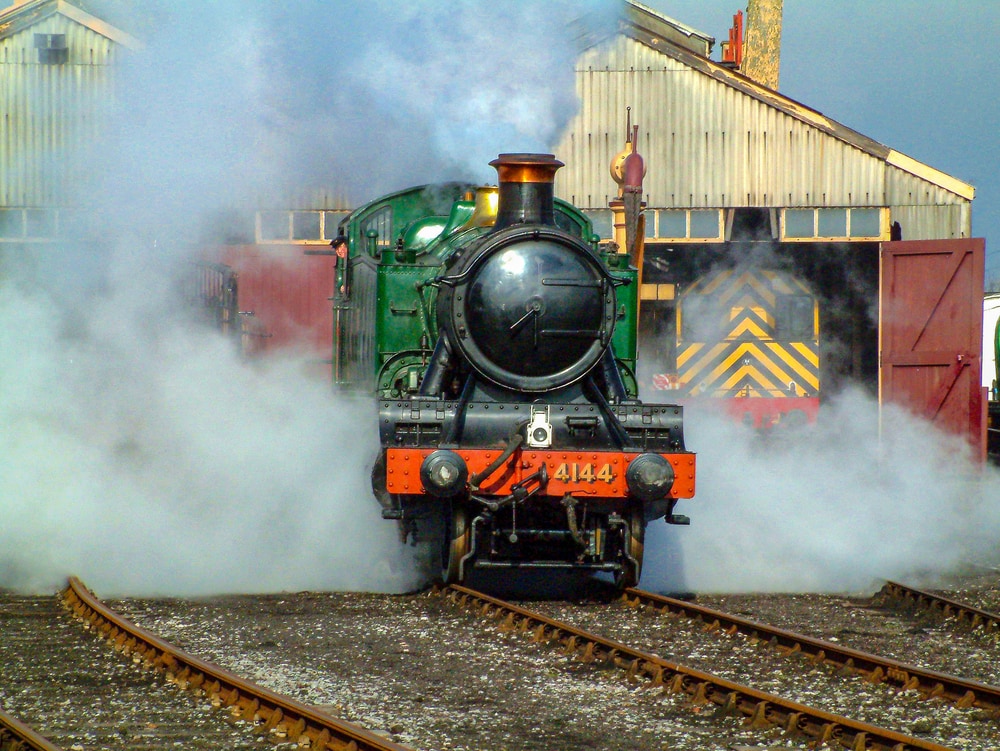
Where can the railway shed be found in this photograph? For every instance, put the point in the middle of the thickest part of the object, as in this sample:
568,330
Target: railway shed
59,62
737,173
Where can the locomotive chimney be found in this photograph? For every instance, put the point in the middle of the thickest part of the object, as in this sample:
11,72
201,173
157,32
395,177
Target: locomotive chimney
526,189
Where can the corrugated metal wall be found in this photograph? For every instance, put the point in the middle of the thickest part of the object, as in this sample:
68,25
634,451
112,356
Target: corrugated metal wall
707,144
50,112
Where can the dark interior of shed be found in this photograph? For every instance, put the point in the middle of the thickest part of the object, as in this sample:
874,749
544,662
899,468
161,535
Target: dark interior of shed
844,277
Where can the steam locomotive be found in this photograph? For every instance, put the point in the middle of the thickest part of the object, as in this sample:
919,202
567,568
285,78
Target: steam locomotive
749,338
500,339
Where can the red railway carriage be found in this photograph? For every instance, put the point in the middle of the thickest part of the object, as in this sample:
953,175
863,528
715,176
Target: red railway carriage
284,295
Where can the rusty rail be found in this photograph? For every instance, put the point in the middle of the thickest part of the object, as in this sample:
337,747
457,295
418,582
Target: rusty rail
964,614
760,709
16,736
873,668
272,713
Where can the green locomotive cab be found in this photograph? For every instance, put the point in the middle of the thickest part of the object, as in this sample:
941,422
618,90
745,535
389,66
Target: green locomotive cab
385,298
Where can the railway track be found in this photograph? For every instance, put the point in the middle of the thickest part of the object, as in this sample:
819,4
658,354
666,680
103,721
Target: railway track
91,717
928,684
61,689
16,736
287,643
964,615
760,709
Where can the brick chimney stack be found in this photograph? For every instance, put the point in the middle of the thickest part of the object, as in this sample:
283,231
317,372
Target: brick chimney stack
762,45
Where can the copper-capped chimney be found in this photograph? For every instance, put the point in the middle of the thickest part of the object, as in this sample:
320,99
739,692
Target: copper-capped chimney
526,189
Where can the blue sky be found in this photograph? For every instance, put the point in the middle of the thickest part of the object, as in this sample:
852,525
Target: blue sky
919,77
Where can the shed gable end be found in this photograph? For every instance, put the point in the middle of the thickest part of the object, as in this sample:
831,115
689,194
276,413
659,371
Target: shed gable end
57,39
706,144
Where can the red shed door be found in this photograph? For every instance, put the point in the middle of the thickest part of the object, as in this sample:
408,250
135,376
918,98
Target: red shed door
931,332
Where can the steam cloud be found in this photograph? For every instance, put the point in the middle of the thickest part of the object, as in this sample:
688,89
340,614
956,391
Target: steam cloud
123,425
837,510
157,462
139,452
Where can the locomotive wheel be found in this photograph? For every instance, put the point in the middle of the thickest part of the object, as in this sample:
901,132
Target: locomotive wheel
629,575
456,543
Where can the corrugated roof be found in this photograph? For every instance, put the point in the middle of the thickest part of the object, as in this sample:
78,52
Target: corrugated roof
668,28
644,29
19,17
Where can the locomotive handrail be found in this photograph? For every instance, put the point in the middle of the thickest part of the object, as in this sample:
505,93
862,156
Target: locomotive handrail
508,235
513,443
451,281
425,318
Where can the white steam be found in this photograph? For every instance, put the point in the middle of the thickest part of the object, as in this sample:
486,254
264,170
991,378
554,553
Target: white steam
259,99
154,461
834,508
141,453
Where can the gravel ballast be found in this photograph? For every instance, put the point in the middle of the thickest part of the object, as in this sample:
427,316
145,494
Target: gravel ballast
429,675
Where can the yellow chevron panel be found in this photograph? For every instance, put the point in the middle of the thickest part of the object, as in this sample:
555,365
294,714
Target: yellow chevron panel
749,298
687,353
710,355
751,326
762,286
808,352
732,288
810,377
751,350
737,292
715,283
764,385
767,371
